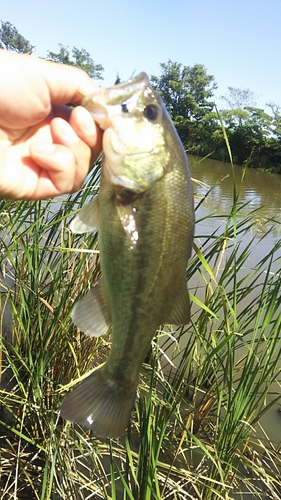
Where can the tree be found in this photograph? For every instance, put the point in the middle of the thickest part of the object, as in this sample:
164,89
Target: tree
259,121
248,133
80,58
233,117
276,111
239,98
62,56
11,39
186,92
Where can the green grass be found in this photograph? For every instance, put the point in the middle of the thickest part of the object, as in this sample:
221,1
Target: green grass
193,432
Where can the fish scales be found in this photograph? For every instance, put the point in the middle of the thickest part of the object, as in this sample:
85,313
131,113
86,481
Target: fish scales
141,289
146,225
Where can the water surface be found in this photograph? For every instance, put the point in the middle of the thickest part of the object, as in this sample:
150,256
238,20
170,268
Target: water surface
259,196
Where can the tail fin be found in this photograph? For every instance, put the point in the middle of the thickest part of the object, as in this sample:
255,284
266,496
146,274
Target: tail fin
100,404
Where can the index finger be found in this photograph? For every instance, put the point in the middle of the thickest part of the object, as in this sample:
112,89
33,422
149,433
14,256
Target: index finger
67,84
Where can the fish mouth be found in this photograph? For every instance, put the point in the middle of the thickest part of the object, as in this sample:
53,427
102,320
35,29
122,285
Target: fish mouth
98,102
119,94
139,156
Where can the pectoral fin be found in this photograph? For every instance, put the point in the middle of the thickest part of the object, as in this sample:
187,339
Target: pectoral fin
91,314
87,220
180,314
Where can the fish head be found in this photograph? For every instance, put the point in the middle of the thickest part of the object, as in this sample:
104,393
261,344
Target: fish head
134,119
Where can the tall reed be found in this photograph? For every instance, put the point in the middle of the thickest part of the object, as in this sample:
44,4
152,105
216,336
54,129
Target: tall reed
201,396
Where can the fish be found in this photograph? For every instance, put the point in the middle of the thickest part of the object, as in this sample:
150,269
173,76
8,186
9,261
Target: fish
144,216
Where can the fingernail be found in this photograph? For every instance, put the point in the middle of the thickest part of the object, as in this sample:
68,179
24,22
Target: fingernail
88,124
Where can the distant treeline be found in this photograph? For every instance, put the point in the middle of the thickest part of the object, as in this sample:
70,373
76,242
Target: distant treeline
253,135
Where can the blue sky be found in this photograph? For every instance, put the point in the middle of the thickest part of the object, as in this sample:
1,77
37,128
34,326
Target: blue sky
238,41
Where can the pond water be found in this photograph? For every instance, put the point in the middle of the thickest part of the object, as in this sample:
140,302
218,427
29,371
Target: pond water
259,188
260,196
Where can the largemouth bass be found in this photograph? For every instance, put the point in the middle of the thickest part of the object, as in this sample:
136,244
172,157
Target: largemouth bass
145,218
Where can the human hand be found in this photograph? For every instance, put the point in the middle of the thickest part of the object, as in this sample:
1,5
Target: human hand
46,148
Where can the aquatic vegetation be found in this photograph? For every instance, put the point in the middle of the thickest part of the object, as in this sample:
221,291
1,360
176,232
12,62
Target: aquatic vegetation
197,425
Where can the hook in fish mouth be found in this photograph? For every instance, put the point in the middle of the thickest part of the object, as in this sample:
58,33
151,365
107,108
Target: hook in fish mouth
124,94
124,108
121,92
118,94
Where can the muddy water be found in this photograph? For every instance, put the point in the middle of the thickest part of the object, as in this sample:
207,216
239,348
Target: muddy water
260,196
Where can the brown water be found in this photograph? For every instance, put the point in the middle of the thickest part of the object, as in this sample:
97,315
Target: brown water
262,190
259,195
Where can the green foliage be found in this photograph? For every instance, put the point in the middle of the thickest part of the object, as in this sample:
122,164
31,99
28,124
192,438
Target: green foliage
11,39
275,109
193,431
253,134
252,137
186,92
80,58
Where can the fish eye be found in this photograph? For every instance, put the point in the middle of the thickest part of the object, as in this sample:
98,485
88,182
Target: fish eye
151,112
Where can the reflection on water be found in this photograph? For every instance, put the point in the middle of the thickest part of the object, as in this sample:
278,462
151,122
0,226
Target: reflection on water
261,189
259,197
259,192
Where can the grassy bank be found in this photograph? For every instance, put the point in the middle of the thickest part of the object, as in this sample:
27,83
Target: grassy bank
202,396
